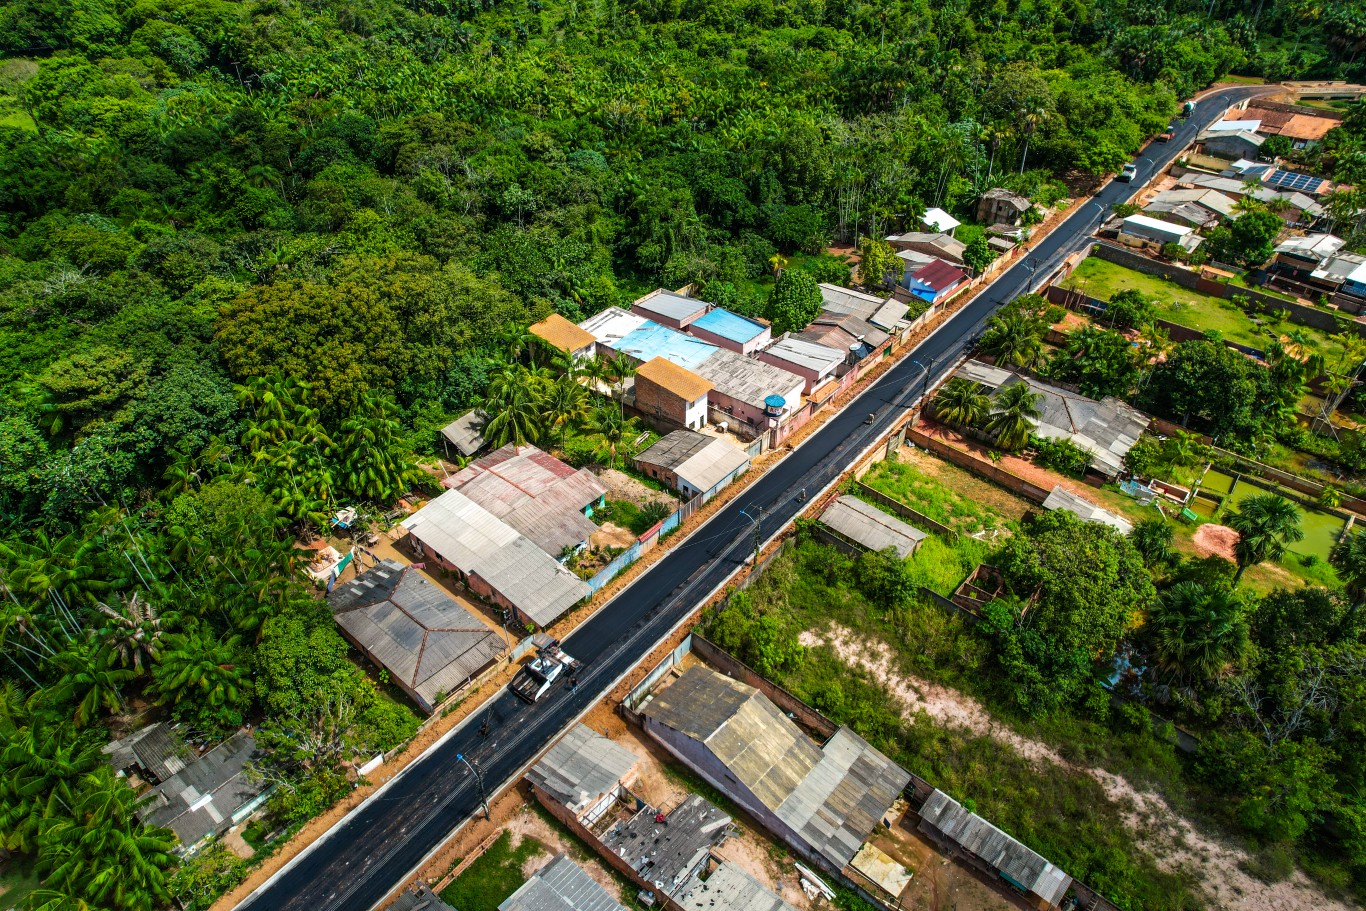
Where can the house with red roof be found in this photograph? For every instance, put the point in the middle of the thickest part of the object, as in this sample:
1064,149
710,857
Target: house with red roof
936,281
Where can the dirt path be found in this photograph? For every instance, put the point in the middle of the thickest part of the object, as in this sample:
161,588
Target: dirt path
1171,839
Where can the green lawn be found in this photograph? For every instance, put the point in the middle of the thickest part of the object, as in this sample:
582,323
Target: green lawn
1098,278
494,876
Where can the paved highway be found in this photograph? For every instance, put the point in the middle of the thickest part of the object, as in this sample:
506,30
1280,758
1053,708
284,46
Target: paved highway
381,843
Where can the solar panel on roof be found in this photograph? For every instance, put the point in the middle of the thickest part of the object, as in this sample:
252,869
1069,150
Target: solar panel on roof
1295,181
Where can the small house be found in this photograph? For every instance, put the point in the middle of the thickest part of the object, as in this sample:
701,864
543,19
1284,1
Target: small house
936,281
1001,206
1231,144
419,897
812,362
936,245
561,885
693,463
669,309
563,336
1306,252
583,774
1142,229
209,795
884,313
731,331
466,433
671,395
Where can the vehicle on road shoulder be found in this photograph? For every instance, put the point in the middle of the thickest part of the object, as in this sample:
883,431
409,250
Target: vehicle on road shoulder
1169,134
536,677
1128,173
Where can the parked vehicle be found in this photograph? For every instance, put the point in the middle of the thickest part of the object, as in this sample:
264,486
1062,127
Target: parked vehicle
1188,109
1169,135
536,678
1128,173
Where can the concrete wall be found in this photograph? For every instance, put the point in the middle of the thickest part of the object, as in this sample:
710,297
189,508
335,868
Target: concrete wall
923,522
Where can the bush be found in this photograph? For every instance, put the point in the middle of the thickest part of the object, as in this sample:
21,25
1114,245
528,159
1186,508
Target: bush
828,270
1061,455
1129,309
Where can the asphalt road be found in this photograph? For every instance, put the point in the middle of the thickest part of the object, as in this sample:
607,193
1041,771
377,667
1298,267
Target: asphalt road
381,843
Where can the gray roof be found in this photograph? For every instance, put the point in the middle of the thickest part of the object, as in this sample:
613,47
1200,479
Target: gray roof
476,541
466,432
806,354
703,461
582,767
1216,202
667,854
747,380
865,524
1015,199
152,749
1011,859
884,313
420,634
1107,429
670,305
1245,135
1062,498
201,798
534,493
829,326
419,898
949,247
833,796
729,888
561,885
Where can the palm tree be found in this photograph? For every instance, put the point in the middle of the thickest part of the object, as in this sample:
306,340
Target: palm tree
611,426
1266,524
597,371
623,368
43,763
87,682
1013,339
203,669
1153,539
563,406
962,402
1198,632
132,633
1015,412
1349,559
378,466
512,408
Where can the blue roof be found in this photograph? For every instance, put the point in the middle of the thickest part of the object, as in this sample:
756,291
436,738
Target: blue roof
652,340
729,325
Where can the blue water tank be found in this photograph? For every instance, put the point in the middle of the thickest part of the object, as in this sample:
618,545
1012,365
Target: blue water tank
774,405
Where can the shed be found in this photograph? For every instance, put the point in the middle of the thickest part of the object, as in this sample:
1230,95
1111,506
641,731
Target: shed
693,463
938,220
871,528
884,313
730,330
945,819
153,750
1001,206
584,772
428,642
561,885
669,309
1062,498
824,800
209,795
562,335
466,433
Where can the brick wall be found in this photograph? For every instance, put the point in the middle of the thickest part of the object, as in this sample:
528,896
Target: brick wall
1012,482
658,402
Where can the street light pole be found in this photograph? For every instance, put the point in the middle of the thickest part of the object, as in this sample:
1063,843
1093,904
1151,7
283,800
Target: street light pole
758,524
479,780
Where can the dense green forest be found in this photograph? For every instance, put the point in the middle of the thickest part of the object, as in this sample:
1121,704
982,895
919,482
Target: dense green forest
253,253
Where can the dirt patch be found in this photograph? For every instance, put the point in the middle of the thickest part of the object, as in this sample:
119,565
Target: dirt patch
1217,540
612,535
1172,840
937,883
621,486
528,823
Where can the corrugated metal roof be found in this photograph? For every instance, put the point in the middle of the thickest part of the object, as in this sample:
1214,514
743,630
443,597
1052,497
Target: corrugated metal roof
729,888
1156,225
476,541
669,305
466,432
561,885
674,450
700,460
806,354
939,220
939,275
884,313
750,381
652,340
1003,853
865,524
1107,429
411,626
729,325
1015,199
612,325
581,767
533,492
1062,498
420,898
833,796
201,798
667,854
153,748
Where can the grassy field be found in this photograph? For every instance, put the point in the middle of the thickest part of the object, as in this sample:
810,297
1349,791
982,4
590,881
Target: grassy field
1100,279
946,493
494,876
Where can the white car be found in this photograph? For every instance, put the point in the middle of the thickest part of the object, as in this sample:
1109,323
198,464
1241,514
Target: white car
1128,173
536,677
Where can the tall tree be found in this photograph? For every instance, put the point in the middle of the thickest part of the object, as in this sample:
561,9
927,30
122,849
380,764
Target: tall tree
1266,525
962,401
796,301
1014,338
1014,415
1197,632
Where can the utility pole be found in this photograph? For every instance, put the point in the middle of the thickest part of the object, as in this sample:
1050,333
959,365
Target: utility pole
479,780
758,526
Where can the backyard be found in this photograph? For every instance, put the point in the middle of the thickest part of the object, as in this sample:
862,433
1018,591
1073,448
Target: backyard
1100,279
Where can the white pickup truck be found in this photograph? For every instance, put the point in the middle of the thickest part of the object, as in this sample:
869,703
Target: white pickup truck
536,677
